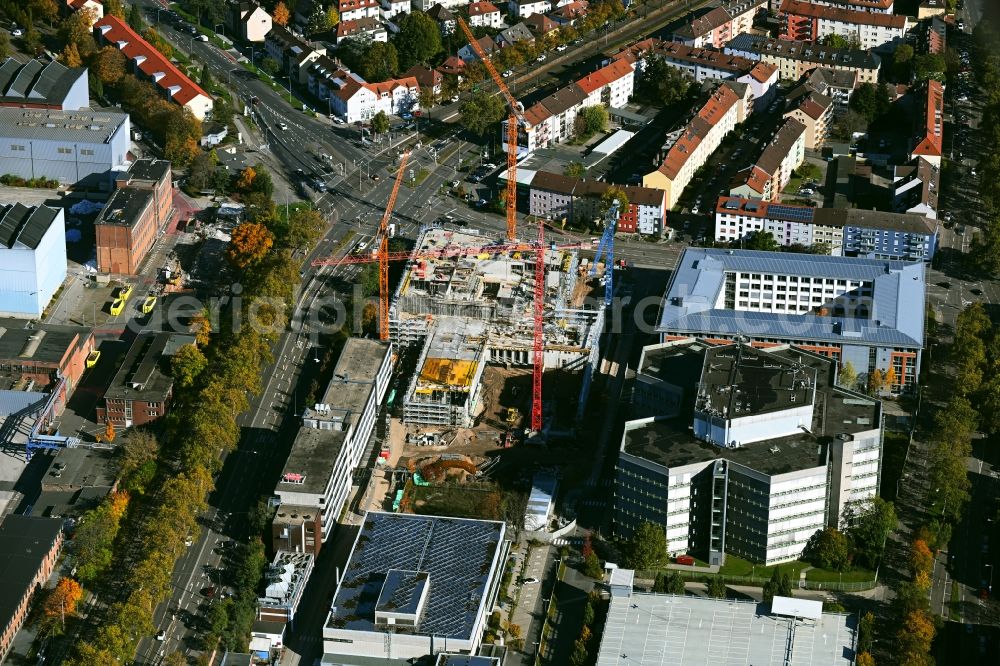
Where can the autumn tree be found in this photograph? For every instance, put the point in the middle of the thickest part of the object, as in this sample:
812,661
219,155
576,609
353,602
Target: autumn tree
108,64
186,364
109,431
280,15
244,182
60,603
47,10
848,376
305,226
249,245
864,659
921,557
915,636
592,566
876,381
71,56
137,454
201,326
866,632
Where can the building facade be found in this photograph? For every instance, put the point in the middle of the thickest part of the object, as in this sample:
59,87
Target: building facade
73,147
795,59
773,170
32,258
134,217
39,85
867,312
317,477
815,111
750,451
810,22
142,388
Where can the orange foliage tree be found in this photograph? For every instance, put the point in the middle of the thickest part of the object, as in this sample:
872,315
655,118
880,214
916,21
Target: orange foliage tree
921,557
864,659
246,178
916,634
249,245
281,14
109,432
202,327
60,603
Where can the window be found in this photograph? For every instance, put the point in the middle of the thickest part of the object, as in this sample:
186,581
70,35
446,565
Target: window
17,148
86,151
64,151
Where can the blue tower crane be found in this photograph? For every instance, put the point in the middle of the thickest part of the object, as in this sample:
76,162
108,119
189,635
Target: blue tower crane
607,249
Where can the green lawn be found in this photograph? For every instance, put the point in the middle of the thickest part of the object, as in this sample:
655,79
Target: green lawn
737,566
854,576
793,185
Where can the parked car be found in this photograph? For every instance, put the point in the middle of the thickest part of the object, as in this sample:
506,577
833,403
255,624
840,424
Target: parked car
561,48
202,38
507,74
208,592
282,126
17,32
540,58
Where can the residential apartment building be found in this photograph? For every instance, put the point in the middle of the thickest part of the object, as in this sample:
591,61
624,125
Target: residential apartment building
358,100
522,9
148,63
717,26
869,312
562,198
838,85
249,21
795,59
134,217
142,388
43,85
610,85
763,82
294,55
931,9
726,107
365,29
936,36
745,451
549,121
426,5
515,34
874,6
73,147
736,217
317,477
813,110
929,138
876,234
29,549
353,10
915,187
484,14
32,258
393,8
444,18
850,232
773,170
811,22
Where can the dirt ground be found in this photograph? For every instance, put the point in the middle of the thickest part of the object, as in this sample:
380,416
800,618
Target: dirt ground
587,286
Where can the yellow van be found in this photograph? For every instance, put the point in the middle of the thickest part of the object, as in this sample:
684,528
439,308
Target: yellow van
124,292
148,304
117,307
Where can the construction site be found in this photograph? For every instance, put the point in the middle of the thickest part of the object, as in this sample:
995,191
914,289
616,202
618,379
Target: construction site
467,310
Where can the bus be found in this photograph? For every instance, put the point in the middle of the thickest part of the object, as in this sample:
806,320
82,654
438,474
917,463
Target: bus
148,304
117,307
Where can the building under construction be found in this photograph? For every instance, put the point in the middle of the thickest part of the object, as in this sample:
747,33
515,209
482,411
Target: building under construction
466,310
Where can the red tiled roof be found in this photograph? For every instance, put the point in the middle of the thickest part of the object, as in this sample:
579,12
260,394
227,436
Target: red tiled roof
812,11
155,62
604,76
348,5
931,143
541,23
572,10
481,8
706,23
453,65
348,28
721,101
763,71
536,115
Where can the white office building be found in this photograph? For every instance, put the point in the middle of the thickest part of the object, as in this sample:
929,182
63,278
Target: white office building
32,258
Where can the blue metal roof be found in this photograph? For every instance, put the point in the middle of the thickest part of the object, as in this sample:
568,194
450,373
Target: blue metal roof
694,302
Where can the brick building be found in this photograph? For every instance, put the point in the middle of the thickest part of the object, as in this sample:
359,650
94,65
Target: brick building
134,216
141,390
29,548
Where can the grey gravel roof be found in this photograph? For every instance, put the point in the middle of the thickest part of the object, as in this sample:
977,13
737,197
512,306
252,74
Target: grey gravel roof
897,312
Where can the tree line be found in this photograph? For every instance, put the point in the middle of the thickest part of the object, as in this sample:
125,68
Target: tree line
985,253
130,544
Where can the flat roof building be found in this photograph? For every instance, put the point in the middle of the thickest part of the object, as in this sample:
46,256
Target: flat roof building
666,630
743,450
332,442
415,586
134,217
141,389
42,354
869,312
32,258
284,584
73,147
